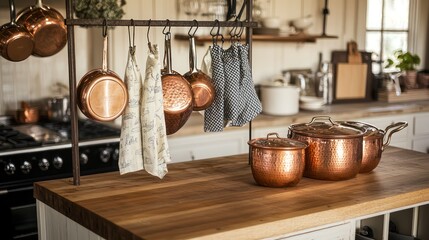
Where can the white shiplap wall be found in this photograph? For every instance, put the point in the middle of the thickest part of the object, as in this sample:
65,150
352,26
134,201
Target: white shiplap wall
31,79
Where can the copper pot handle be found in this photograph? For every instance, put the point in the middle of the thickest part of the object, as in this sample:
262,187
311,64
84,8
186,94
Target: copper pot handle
104,59
271,134
393,128
317,118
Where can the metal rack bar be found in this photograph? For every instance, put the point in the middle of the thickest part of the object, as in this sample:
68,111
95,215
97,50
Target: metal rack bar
70,22
156,23
73,102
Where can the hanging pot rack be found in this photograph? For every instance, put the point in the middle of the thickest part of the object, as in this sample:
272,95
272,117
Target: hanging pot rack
71,23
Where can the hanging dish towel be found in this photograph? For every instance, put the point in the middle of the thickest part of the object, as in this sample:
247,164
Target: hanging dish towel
130,145
155,146
213,115
206,64
250,106
232,99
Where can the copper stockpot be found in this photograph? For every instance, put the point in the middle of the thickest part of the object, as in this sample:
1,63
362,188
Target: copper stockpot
177,94
201,84
101,93
334,151
47,27
374,142
16,43
277,162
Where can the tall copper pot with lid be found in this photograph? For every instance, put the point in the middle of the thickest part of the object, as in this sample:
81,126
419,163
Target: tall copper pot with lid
277,162
334,151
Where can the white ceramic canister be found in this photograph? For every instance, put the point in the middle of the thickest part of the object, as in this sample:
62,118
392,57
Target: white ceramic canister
279,98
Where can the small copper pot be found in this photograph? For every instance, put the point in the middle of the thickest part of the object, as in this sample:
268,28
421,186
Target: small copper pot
101,93
16,43
47,27
334,151
374,142
277,162
27,114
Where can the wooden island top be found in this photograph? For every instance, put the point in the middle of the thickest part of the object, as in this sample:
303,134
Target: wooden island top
218,199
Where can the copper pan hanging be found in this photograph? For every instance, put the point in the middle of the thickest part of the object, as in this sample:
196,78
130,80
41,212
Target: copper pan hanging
102,95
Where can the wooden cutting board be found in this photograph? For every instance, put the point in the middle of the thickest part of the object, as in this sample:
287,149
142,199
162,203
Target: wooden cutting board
352,75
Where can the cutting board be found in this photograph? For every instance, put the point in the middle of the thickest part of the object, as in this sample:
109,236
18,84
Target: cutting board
352,75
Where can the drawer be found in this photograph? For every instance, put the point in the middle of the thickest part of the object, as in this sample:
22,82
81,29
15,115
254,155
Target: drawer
421,144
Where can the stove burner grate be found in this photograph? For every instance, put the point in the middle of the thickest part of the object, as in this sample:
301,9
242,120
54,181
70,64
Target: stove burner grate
10,138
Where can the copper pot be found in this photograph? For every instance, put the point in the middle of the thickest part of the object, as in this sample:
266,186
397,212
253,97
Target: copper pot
47,27
102,95
177,94
374,142
27,114
277,162
334,151
201,84
16,43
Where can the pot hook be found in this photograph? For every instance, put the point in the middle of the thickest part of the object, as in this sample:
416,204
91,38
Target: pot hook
167,24
132,44
149,44
194,24
395,127
217,34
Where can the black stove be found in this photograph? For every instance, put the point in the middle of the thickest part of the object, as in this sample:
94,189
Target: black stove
37,152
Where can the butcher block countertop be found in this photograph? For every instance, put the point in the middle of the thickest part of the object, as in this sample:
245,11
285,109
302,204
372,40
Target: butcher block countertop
218,199
347,111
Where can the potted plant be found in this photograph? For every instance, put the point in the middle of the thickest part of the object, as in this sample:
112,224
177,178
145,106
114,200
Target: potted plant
94,9
406,62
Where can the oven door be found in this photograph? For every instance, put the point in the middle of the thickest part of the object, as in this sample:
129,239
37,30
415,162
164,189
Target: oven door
18,215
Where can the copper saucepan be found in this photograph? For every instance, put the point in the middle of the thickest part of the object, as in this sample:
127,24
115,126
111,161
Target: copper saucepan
177,94
47,27
102,95
202,87
334,151
374,142
16,43
277,162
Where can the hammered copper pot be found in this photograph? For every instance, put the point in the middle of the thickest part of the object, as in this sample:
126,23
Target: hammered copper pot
177,94
374,142
277,162
47,27
334,151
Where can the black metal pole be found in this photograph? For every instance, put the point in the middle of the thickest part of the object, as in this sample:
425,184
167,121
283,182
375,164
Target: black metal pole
249,33
325,14
73,102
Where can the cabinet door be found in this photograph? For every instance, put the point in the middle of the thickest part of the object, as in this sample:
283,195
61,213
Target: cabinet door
421,144
208,145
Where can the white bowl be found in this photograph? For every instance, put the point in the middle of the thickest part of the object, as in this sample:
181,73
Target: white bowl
271,22
303,23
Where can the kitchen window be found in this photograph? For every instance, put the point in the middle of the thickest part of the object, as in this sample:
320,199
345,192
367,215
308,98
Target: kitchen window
389,26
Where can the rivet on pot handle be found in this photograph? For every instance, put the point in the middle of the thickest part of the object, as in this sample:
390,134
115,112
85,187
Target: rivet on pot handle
395,127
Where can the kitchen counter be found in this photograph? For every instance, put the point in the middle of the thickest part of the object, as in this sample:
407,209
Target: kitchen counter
218,199
335,111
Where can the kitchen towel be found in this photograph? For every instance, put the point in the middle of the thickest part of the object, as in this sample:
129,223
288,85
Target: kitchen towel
130,145
233,102
214,115
155,146
249,104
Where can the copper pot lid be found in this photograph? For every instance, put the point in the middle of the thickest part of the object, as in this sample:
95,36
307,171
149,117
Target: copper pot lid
326,129
370,131
277,143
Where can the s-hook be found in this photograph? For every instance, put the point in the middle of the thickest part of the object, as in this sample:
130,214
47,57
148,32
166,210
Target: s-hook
149,44
194,24
168,24
217,34
132,44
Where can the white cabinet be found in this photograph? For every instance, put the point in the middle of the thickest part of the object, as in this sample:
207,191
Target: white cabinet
209,145
421,132
343,231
